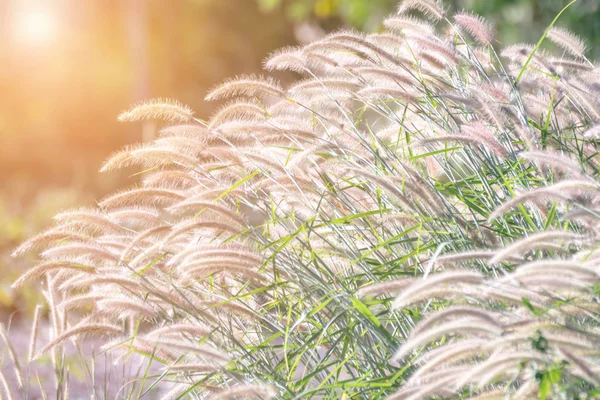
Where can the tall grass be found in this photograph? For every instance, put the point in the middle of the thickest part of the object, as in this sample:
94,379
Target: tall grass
417,217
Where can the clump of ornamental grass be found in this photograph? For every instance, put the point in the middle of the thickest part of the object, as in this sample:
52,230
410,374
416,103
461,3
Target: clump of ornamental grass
417,217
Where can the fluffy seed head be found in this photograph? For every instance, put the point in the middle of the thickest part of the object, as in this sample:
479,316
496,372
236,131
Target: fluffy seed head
163,109
476,26
568,41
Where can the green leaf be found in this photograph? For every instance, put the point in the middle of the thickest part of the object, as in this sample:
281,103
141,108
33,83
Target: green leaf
364,310
547,379
555,374
530,306
544,387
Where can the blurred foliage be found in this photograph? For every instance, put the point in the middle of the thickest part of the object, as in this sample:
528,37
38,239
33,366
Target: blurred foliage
514,20
363,14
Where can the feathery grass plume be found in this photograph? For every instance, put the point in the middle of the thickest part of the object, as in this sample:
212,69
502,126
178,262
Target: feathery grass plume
478,130
397,77
431,62
408,25
205,259
141,196
88,217
199,206
476,26
189,146
210,251
81,300
517,53
512,295
497,360
191,131
490,111
453,312
450,354
355,39
432,44
466,255
331,56
236,110
459,326
41,269
320,61
553,160
121,306
77,250
148,156
78,330
286,59
547,266
135,216
193,224
203,271
568,64
119,159
438,280
563,190
533,241
164,109
48,237
333,86
86,282
142,236
567,41
173,179
246,86
431,8
500,93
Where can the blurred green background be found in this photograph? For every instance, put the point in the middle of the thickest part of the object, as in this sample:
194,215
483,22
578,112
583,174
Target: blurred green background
514,20
68,67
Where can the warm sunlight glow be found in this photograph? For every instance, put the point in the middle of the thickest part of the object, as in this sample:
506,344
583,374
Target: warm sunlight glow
35,24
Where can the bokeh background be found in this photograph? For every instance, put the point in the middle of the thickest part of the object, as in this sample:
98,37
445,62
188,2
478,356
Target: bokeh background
68,67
